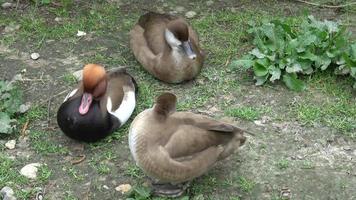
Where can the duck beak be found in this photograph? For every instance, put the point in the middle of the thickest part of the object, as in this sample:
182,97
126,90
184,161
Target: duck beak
87,98
187,47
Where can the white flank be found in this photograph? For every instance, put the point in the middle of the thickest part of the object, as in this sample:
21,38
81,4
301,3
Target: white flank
70,94
126,107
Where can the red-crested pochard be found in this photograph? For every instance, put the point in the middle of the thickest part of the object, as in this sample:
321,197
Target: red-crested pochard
173,147
167,47
100,104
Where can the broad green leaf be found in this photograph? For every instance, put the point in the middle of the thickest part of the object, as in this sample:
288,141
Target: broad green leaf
293,83
5,126
353,50
260,80
353,72
296,67
308,55
256,52
275,72
260,67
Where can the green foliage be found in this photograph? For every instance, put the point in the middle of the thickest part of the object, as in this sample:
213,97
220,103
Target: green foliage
10,101
285,49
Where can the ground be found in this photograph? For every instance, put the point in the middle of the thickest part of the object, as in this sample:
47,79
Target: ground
303,145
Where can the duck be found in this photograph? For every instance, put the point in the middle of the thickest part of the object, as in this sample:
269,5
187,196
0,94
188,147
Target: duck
100,104
167,47
172,148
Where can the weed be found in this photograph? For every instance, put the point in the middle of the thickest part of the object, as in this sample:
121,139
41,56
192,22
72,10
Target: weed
246,185
248,113
282,164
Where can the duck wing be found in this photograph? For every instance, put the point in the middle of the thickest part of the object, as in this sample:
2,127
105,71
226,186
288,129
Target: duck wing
175,170
120,95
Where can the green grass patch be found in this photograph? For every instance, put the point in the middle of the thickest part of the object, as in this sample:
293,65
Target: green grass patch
246,112
282,164
41,144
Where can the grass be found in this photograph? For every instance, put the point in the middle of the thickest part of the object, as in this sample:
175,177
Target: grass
42,145
247,113
282,164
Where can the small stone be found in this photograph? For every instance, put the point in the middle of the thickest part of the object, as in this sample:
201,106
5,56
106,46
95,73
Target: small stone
165,5
190,14
123,188
24,107
105,187
24,70
30,170
7,5
265,119
10,144
258,123
7,193
57,19
209,3
347,148
11,28
17,77
81,33
180,9
35,56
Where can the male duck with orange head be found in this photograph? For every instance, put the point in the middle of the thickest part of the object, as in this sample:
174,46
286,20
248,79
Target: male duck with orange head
100,104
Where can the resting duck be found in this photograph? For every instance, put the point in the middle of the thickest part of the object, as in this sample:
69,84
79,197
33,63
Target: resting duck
167,47
99,105
173,147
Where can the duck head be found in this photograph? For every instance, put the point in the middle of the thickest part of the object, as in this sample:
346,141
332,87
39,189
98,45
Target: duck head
94,85
177,36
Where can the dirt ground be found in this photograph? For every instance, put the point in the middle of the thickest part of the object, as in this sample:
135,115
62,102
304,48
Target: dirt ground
286,158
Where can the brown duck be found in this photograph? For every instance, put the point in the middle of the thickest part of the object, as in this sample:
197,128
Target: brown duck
167,47
101,103
175,147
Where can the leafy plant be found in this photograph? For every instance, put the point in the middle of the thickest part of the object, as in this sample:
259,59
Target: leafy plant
285,49
10,101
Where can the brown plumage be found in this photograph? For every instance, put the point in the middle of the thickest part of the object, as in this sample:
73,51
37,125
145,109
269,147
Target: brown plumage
174,147
166,60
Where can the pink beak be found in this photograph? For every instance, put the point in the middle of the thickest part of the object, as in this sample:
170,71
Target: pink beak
85,104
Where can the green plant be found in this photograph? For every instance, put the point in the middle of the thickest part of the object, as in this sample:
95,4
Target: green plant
284,49
10,101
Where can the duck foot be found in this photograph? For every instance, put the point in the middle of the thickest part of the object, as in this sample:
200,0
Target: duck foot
169,190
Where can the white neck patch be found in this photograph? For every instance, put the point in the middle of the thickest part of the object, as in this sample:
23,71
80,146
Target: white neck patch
69,95
125,109
171,39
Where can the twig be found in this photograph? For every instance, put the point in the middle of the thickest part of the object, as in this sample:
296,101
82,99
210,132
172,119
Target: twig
227,61
24,128
49,110
81,159
326,6
56,95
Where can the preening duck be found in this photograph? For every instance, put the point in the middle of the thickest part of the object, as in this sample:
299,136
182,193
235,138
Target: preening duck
100,104
167,47
175,147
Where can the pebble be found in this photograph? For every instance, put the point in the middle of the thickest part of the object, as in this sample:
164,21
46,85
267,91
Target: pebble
258,123
81,33
10,144
209,3
180,9
190,14
30,170
11,28
24,107
35,56
57,19
123,188
7,5
105,187
7,193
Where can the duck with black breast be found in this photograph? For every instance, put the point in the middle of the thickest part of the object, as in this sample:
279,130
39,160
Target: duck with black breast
100,104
